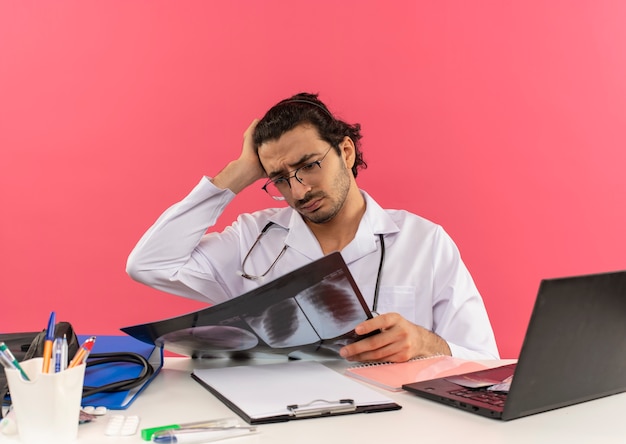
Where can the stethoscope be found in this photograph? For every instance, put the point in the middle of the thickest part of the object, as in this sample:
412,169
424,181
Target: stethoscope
270,224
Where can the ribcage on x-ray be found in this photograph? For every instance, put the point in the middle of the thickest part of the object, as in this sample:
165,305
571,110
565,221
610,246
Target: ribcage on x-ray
324,311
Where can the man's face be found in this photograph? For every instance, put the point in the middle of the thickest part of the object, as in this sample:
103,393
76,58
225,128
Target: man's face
323,193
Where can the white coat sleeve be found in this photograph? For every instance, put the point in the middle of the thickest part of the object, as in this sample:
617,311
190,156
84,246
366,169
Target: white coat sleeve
167,256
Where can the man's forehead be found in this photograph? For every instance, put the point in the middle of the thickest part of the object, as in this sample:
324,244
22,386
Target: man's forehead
303,130
292,143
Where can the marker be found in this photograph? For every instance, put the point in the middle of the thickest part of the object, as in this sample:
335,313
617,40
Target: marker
146,434
83,352
8,357
6,362
47,347
197,435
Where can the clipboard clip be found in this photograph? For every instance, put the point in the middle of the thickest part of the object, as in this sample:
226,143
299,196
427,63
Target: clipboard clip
322,407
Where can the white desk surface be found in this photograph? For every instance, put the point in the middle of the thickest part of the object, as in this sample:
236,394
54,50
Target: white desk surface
174,397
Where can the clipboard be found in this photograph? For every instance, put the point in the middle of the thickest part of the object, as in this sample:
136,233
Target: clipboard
269,393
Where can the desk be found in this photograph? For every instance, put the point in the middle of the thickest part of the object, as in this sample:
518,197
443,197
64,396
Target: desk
174,397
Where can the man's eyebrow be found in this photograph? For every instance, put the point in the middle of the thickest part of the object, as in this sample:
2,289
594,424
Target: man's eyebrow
304,159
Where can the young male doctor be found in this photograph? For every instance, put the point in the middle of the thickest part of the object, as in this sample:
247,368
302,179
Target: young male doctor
408,269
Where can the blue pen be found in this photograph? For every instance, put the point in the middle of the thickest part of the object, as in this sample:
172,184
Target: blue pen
64,352
8,355
58,355
47,348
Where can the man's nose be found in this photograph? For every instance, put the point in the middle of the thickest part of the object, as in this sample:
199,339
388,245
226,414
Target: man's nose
298,189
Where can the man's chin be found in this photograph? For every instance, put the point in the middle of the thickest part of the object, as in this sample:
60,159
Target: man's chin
317,217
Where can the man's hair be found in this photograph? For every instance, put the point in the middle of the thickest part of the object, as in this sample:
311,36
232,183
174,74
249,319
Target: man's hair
306,108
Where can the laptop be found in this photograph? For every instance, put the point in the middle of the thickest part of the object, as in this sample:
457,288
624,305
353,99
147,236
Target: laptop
574,351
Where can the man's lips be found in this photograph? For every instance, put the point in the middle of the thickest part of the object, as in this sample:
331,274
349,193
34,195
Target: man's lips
311,205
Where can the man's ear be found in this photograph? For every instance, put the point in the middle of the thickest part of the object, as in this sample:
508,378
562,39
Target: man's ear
348,151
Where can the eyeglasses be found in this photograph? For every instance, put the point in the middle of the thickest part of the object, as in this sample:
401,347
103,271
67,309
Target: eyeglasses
306,174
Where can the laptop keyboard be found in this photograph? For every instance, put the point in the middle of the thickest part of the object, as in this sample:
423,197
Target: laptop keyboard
488,397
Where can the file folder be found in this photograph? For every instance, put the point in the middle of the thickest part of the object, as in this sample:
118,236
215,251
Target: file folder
112,372
269,393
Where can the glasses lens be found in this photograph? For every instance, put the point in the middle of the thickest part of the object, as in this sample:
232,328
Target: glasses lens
274,191
306,175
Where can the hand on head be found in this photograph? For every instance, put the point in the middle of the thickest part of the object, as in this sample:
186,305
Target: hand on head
245,170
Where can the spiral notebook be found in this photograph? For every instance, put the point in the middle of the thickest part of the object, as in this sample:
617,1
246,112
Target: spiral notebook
391,376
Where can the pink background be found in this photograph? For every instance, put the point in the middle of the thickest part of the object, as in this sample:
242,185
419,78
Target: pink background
505,122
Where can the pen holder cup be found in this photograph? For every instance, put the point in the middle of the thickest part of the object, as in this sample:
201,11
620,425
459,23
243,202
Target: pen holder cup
47,407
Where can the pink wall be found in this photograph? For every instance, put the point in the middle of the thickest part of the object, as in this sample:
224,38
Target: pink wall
502,121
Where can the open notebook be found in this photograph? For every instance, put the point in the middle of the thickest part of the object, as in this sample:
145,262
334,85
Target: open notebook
391,376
